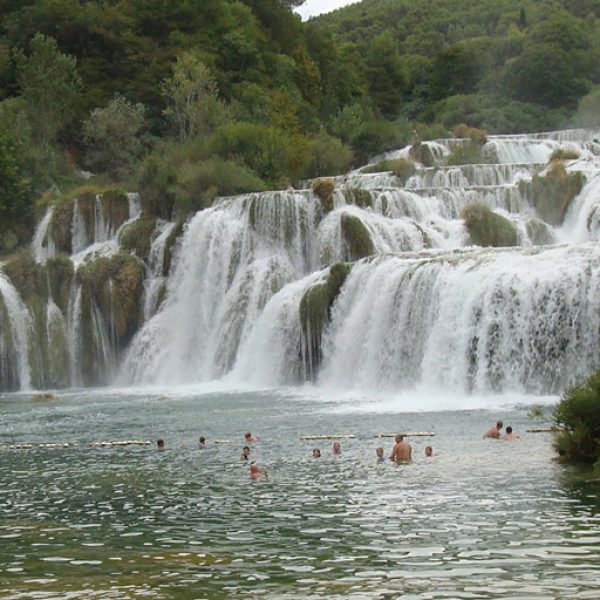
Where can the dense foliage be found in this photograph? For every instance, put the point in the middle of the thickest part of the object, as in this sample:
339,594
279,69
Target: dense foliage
579,413
188,100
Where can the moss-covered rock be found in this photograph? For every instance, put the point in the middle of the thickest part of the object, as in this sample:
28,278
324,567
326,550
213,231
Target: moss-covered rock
359,197
59,227
323,188
356,238
539,233
421,153
60,276
315,312
486,228
136,237
31,282
111,203
115,207
28,277
554,192
111,289
116,285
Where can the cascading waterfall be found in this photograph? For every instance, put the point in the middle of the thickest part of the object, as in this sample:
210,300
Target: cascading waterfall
471,320
375,288
74,335
155,281
233,258
15,325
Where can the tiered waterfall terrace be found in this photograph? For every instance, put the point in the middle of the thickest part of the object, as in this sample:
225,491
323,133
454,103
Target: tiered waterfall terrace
384,285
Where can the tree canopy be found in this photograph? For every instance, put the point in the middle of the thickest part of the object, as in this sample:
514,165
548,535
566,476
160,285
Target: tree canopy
143,89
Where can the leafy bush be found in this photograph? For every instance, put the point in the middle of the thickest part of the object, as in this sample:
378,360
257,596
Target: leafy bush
487,228
327,156
400,167
374,137
431,131
199,184
156,180
323,189
579,413
478,136
564,154
467,153
273,154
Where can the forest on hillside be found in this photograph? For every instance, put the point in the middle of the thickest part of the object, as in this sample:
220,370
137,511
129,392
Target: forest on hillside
185,101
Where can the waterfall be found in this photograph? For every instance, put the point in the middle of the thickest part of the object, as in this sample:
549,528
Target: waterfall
43,244
15,326
480,320
74,335
376,287
155,280
232,259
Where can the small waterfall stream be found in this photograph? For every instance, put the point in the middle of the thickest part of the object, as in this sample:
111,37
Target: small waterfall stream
245,290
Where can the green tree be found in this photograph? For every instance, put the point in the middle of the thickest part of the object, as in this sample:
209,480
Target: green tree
192,96
544,74
386,73
112,137
49,85
16,208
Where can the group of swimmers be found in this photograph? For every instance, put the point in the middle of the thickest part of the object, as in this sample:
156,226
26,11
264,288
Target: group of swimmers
494,432
401,452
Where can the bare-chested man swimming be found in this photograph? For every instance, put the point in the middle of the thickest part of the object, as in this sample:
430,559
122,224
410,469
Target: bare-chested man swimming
510,435
402,450
251,438
494,432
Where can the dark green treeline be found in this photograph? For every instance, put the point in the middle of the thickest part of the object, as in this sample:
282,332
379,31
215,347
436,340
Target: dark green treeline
188,100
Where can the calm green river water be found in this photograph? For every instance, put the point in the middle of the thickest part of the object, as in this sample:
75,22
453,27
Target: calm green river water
481,519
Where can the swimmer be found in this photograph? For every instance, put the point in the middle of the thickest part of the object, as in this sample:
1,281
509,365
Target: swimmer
160,444
251,438
336,448
428,451
245,455
316,453
402,451
494,432
510,435
202,442
256,471
379,453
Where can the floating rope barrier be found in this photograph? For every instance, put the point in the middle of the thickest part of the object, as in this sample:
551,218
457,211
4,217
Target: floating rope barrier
54,445
406,434
328,437
544,430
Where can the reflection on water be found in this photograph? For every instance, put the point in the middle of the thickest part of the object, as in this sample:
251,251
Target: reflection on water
480,519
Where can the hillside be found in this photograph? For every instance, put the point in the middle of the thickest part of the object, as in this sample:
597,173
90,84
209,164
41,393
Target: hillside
188,101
